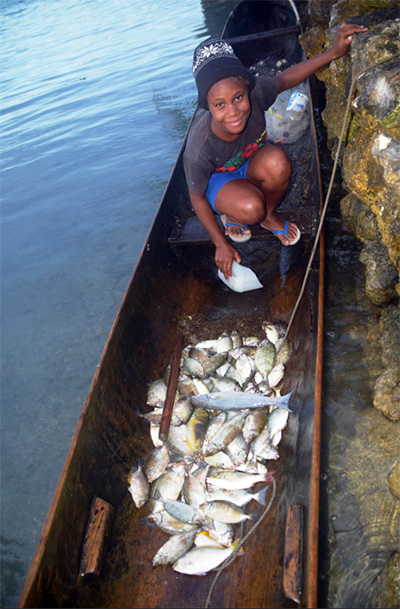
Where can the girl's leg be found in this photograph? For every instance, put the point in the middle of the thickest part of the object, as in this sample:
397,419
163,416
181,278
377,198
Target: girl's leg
270,170
242,202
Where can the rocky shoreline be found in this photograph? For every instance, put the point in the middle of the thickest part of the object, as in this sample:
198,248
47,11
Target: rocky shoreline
369,168
369,160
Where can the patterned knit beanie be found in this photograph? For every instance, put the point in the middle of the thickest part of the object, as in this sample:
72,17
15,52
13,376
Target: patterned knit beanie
214,60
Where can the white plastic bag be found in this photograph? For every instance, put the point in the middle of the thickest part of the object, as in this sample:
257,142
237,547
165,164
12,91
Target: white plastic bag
280,123
242,279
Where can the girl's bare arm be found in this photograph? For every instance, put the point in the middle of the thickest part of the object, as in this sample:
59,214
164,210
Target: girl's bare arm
296,74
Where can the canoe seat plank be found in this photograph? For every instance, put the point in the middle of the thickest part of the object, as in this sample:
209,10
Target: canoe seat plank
95,544
193,232
292,562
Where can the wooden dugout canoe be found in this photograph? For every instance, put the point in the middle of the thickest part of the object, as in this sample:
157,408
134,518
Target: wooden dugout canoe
175,292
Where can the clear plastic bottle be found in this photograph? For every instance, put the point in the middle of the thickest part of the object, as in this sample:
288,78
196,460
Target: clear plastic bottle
296,106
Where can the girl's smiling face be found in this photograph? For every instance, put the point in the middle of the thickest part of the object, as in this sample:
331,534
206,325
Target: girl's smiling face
229,104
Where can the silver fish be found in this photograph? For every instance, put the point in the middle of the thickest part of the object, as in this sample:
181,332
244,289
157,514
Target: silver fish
167,523
194,488
220,531
139,487
227,512
240,498
220,460
224,384
283,351
238,400
254,424
271,331
265,357
157,393
193,367
169,485
224,435
235,480
174,548
277,420
181,511
177,441
238,450
199,561
156,463
213,363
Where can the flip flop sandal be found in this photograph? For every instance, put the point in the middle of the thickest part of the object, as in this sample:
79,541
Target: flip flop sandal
236,238
284,232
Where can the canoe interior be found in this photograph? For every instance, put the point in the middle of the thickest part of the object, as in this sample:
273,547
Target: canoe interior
174,290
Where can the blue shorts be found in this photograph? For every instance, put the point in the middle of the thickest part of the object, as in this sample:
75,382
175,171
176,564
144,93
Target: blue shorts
217,181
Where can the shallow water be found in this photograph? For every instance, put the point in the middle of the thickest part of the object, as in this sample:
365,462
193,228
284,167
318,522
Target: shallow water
97,97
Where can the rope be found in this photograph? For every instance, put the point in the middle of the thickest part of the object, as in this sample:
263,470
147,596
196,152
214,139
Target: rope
232,557
325,206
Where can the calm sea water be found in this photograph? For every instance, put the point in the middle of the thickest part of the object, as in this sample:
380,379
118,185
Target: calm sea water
96,99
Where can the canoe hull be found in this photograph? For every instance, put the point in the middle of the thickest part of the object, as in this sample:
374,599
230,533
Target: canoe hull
175,289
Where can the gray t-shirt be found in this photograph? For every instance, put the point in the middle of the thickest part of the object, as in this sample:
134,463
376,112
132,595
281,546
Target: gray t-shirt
206,153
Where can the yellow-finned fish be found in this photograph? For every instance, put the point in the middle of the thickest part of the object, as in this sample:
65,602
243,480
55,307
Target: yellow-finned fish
196,429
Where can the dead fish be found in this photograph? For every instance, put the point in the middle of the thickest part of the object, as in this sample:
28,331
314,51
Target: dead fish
199,354
220,460
200,386
174,548
224,343
169,485
214,362
193,367
177,442
283,351
237,339
156,463
240,497
139,487
235,480
264,357
203,538
167,523
238,450
154,435
245,366
196,429
194,488
199,561
276,375
220,531
214,425
271,331
224,384
181,511
277,420
227,512
224,435
254,424
238,400
157,393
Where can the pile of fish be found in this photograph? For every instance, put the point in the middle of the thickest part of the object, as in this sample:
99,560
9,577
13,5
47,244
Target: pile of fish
226,424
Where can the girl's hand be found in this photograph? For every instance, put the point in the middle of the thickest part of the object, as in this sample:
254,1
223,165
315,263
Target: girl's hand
225,254
343,38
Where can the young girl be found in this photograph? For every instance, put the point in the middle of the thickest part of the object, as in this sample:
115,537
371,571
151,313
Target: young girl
229,169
